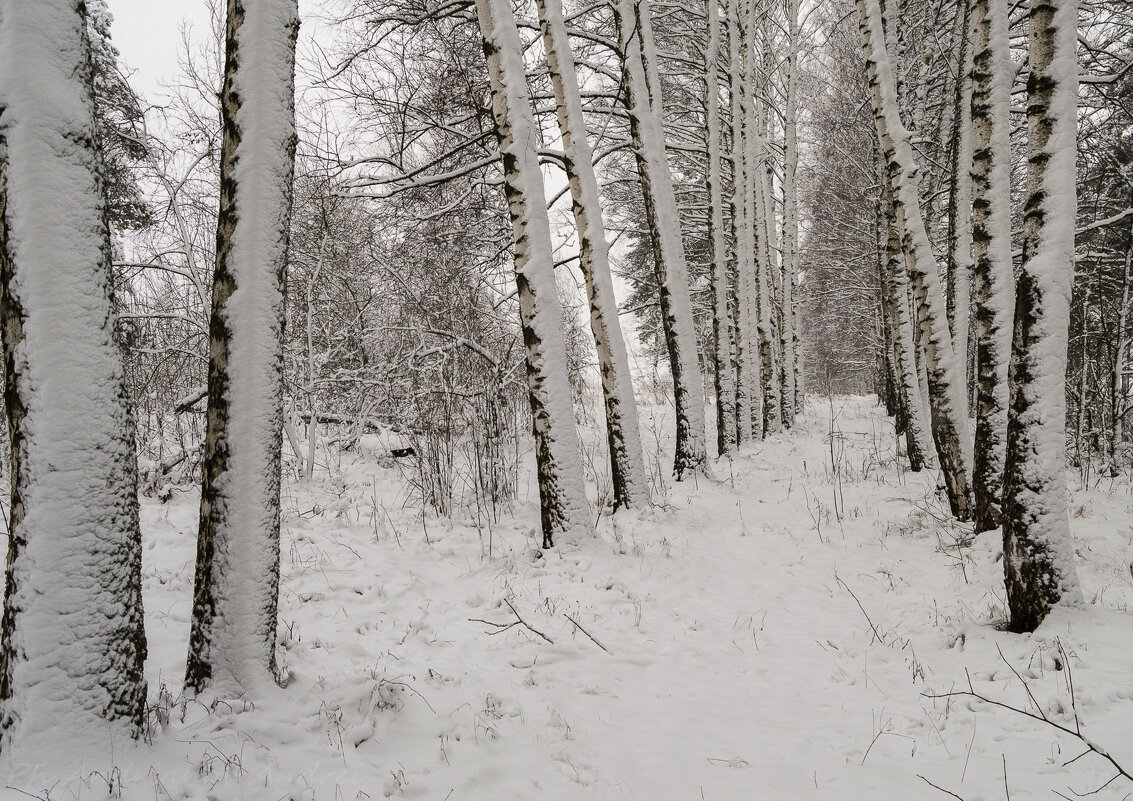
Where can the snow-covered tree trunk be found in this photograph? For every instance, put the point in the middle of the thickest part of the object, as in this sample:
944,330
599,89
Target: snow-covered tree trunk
742,235
791,219
959,296
993,277
766,270
627,465
950,429
918,441
643,102
236,591
72,642
717,247
561,491
1038,557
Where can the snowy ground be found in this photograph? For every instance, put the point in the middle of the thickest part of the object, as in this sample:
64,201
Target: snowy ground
774,634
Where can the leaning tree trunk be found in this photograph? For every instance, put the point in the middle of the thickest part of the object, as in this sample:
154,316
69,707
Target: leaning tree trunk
627,465
717,248
236,591
945,379
561,491
895,288
994,279
643,102
72,642
1038,557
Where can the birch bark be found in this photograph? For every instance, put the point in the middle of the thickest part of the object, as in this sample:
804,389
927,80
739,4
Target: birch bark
72,641
993,276
236,588
1038,556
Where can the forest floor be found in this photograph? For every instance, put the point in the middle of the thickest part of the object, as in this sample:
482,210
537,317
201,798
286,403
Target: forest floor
777,632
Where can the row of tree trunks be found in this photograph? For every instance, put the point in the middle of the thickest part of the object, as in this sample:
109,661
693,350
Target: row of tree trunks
945,386
627,465
643,103
1021,324
561,489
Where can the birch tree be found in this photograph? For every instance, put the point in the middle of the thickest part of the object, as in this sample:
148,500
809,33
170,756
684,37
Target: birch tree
725,385
72,642
748,393
643,103
1037,551
993,277
236,589
561,493
792,400
627,464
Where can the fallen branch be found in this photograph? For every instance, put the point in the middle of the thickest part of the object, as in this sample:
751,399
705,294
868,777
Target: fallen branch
938,787
519,621
1076,732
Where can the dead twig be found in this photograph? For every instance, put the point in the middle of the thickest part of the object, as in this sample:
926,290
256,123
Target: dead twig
587,633
938,787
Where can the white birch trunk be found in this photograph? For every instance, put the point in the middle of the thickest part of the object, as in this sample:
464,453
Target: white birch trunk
791,402
717,259
643,96
236,592
743,265
627,465
1038,555
766,270
950,428
960,211
72,643
561,489
993,277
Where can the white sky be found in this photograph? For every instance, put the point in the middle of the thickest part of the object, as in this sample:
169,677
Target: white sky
148,34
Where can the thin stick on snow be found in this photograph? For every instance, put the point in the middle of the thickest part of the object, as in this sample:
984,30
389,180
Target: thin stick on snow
587,633
938,787
846,586
502,627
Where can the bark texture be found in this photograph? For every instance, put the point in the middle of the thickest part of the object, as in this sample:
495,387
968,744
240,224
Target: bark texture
1038,557
725,384
993,278
236,589
72,642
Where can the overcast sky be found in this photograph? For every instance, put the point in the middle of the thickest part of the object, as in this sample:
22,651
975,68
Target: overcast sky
148,34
